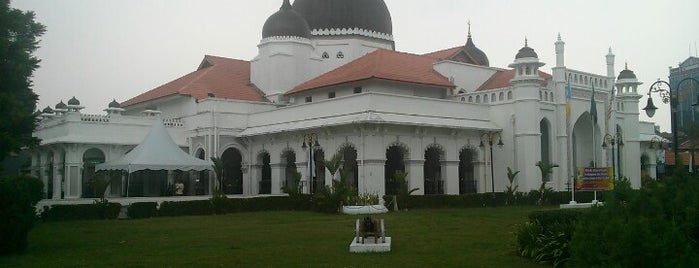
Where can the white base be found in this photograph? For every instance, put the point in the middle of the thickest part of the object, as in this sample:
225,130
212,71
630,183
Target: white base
357,210
370,246
582,205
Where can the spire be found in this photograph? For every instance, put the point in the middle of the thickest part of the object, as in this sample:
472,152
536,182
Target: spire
469,28
526,42
286,5
559,37
626,65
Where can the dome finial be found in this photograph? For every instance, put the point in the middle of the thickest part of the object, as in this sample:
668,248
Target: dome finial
469,28
626,65
526,42
286,5
559,37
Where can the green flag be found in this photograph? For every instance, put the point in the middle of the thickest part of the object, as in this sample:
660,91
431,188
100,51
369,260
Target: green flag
593,106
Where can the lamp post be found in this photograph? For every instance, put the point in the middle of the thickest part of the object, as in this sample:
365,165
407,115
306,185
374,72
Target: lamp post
489,138
310,140
668,95
613,140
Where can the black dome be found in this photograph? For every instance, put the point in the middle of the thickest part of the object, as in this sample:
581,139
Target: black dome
114,104
73,101
477,56
47,110
372,15
286,22
626,73
61,105
526,52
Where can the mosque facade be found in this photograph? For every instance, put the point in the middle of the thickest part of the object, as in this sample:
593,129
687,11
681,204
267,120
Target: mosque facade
327,80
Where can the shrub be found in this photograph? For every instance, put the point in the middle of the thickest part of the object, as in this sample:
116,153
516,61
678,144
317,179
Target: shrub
18,196
657,226
220,203
546,237
96,211
142,210
185,208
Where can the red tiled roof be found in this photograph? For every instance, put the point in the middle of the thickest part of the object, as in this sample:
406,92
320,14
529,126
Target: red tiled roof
444,53
381,64
501,79
225,78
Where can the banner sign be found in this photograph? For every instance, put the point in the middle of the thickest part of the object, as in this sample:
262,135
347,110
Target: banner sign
594,179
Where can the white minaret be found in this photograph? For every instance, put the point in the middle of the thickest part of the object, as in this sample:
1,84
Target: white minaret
627,125
560,52
527,87
610,63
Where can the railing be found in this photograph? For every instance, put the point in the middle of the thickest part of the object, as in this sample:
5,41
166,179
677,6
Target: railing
173,123
94,118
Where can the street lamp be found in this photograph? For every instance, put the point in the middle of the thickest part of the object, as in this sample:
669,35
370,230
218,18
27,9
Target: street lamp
668,96
613,140
310,140
489,138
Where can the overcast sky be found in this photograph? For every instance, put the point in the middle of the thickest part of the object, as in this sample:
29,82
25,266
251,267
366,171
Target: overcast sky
99,50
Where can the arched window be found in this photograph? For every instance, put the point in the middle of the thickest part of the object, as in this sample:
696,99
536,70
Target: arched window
502,96
485,98
478,99
509,95
463,99
470,98
492,97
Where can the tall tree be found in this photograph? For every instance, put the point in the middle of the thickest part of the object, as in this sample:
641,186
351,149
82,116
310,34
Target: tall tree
18,40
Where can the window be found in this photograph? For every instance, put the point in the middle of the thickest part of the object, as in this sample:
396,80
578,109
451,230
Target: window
463,99
309,99
492,97
509,95
340,55
485,98
478,99
325,55
357,90
502,96
470,98
331,95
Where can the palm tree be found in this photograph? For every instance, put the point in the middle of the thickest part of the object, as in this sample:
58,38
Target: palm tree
333,165
546,170
403,187
512,188
218,168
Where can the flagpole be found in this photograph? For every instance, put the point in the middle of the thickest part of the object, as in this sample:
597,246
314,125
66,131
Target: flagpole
593,121
569,142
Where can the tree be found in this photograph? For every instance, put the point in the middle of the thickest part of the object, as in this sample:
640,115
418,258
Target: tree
218,168
333,165
511,189
546,170
18,41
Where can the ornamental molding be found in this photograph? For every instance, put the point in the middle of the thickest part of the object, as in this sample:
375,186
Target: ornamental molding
354,31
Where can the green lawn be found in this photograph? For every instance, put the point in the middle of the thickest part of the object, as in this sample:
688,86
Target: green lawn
478,237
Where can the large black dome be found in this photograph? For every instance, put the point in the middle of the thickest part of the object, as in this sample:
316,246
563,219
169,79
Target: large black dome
372,15
476,55
286,22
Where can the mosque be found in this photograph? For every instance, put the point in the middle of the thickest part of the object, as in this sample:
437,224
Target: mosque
327,80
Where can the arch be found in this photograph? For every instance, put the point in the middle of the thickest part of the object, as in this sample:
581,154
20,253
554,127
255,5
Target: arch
502,96
265,179
492,97
201,182
467,174
318,178
585,152
91,181
463,99
349,163
395,161
470,98
509,95
478,99
485,98
432,169
288,161
232,171
545,143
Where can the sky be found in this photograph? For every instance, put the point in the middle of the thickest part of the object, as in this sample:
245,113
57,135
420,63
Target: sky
99,50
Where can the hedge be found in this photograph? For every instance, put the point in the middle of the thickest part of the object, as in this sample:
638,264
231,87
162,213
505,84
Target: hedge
18,196
488,199
186,208
81,212
142,210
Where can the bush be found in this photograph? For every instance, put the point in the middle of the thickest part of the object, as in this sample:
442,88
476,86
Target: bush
142,210
18,196
96,211
185,208
657,226
546,237
489,199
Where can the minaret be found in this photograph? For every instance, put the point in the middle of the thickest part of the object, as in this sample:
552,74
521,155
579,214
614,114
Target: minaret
560,52
526,88
627,124
610,63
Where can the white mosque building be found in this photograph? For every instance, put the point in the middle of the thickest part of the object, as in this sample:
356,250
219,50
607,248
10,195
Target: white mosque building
327,80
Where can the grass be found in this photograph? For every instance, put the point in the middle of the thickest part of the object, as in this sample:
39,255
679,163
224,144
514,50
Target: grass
479,237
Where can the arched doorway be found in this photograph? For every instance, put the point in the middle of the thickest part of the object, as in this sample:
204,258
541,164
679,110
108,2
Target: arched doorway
395,161
467,174
92,183
433,171
318,178
349,163
585,152
263,161
232,171
288,160
201,184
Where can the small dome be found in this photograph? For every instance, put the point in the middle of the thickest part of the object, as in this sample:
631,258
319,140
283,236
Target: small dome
286,22
47,110
61,105
73,101
626,74
526,51
114,104
371,15
477,56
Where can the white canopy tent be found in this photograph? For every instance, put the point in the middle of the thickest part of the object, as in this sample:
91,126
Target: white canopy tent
157,152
